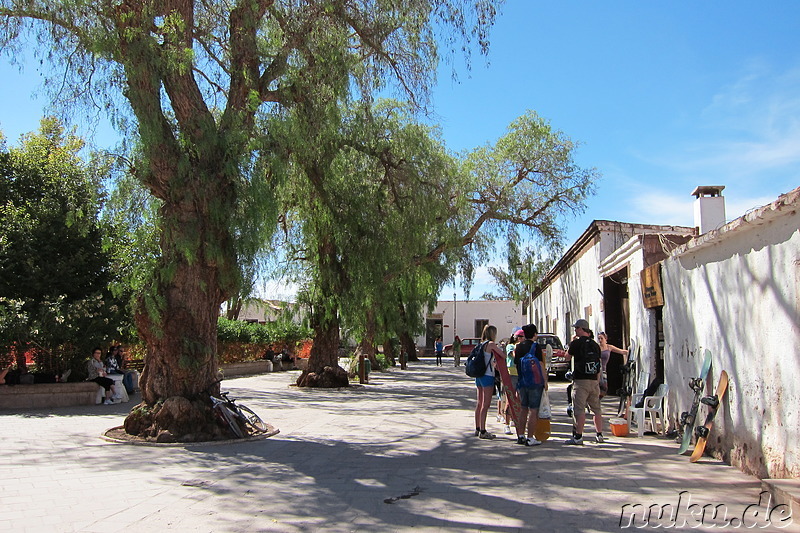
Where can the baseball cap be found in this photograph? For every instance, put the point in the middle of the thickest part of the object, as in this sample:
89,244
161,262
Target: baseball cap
519,333
581,323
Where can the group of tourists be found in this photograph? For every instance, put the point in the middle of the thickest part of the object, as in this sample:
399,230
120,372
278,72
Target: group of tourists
524,358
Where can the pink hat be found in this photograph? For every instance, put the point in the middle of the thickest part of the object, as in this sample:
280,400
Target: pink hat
519,333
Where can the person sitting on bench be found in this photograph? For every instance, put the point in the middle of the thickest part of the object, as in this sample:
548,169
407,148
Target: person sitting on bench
97,373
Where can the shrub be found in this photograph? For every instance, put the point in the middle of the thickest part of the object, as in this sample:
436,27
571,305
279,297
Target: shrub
253,333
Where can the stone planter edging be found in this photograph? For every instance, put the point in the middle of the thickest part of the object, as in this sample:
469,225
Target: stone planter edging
47,395
232,370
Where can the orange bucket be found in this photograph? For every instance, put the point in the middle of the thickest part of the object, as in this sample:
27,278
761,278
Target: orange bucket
619,427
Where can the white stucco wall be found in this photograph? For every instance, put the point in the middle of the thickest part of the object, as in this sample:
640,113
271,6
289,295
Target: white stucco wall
736,292
574,292
504,314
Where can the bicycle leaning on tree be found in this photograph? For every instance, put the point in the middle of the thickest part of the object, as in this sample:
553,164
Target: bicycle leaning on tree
238,418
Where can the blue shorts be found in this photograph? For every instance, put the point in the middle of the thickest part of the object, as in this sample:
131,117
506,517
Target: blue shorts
530,398
484,381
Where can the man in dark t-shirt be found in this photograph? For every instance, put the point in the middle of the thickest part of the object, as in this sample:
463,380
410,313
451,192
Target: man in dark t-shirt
586,384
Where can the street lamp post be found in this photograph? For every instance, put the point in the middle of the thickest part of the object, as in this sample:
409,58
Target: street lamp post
454,317
528,289
530,295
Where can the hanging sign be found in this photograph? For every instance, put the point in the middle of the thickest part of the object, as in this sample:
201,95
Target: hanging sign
652,293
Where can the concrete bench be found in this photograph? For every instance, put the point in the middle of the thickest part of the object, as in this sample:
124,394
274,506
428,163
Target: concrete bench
249,368
43,395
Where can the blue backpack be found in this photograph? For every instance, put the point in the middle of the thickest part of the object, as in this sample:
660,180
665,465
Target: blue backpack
530,370
475,366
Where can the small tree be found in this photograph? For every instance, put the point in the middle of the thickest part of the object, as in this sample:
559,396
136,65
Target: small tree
385,213
524,269
54,272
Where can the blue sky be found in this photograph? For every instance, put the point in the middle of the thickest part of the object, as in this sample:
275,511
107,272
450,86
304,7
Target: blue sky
662,96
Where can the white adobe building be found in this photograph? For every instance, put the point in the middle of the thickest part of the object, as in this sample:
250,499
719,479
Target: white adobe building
598,279
735,290
466,318
731,288
263,311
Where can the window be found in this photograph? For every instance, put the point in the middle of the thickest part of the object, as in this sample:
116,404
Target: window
480,323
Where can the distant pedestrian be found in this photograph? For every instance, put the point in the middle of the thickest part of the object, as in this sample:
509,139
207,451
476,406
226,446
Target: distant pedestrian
439,350
586,382
518,337
485,383
505,416
531,397
457,351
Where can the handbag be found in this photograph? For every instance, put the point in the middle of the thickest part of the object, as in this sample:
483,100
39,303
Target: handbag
544,406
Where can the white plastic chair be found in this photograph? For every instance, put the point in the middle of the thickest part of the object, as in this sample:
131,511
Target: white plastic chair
654,405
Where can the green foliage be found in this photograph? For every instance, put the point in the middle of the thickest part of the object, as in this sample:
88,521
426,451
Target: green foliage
131,241
383,362
352,364
282,331
525,269
54,273
375,193
201,81
385,215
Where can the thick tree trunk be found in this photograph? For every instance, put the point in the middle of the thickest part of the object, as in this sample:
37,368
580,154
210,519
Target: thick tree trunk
406,340
367,344
323,362
181,355
388,351
368,349
408,346
235,305
177,320
19,356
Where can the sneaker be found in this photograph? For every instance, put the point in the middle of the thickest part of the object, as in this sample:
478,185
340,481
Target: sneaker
477,432
507,430
499,418
530,441
599,439
574,442
522,440
486,435
108,401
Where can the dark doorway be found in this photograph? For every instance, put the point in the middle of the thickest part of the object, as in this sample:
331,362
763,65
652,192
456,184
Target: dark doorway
617,313
480,323
659,344
433,330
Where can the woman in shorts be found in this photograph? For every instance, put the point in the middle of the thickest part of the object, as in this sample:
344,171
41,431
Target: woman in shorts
485,383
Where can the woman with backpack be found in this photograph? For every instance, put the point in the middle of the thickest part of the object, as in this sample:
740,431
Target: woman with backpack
485,382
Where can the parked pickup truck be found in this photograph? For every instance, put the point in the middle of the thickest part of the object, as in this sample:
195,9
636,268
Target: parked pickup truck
559,364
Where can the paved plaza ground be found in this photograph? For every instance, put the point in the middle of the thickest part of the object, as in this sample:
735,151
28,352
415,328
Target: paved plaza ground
395,455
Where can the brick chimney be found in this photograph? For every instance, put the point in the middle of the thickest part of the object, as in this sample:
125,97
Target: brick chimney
709,208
